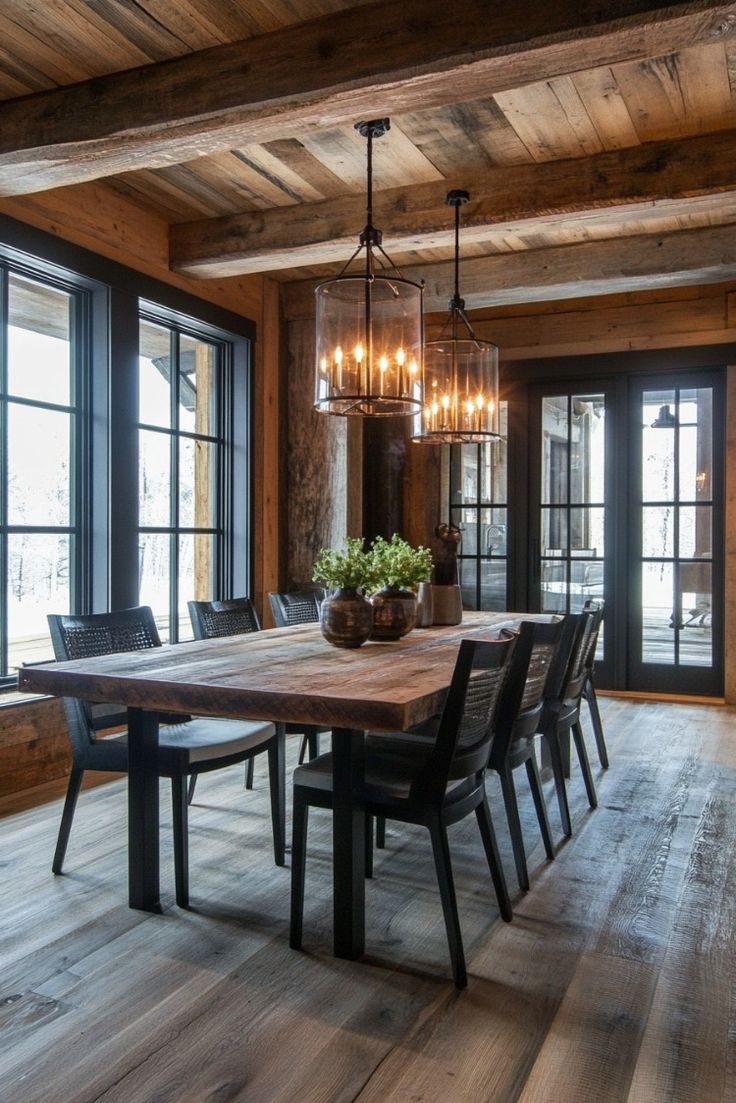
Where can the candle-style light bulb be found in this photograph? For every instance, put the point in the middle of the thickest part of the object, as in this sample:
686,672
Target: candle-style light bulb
400,357
445,401
338,355
383,363
480,402
358,354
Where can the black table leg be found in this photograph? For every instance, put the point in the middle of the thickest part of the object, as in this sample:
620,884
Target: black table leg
143,843
348,833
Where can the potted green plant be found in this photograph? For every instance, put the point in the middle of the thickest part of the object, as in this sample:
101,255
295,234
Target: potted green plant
346,615
399,570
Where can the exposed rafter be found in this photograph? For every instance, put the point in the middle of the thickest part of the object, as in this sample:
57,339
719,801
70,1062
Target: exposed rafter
369,61
415,217
569,271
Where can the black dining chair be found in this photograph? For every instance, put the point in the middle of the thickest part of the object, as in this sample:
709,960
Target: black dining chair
187,745
232,618
296,606
560,716
432,785
517,723
589,694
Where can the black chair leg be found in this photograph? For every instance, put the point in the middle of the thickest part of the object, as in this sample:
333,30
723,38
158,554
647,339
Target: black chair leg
517,839
277,785
180,806
298,860
70,803
577,734
488,835
555,758
443,866
192,787
595,717
535,784
368,845
310,742
249,771
380,832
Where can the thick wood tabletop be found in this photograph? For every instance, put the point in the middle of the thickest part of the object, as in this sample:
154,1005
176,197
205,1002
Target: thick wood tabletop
288,674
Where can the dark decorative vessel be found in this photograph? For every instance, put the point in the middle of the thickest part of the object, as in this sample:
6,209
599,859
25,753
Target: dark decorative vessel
394,613
346,618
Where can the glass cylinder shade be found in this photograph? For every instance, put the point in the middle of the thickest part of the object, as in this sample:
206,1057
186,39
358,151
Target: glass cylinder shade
369,346
460,395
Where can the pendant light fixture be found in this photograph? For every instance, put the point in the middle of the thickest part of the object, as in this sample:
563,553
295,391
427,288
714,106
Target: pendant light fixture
369,326
460,391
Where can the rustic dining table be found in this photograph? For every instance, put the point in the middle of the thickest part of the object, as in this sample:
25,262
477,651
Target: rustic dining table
284,674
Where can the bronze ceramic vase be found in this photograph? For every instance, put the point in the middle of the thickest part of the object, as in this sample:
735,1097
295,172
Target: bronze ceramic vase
394,613
346,618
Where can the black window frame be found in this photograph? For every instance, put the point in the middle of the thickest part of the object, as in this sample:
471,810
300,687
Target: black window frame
110,298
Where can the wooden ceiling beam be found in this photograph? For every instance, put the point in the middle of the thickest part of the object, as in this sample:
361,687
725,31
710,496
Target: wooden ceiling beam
363,62
415,217
638,263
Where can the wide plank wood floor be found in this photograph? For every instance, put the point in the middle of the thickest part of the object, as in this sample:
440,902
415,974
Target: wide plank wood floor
615,982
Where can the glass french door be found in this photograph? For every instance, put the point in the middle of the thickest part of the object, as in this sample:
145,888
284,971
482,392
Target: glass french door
676,538
572,501
626,506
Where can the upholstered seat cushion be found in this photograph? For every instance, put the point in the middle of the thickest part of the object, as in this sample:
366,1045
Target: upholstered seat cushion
208,737
388,775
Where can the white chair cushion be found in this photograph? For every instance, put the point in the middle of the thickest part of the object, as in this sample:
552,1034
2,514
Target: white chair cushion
211,737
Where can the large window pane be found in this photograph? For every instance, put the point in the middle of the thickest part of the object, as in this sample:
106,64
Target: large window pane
197,576
39,567
154,574
658,446
39,351
154,476
658,531
154,382
197,386
197,483
587,448
39,466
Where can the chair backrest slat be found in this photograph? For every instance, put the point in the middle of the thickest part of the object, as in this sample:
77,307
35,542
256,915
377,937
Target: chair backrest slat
92,635
213,619
296,607
467,723
520,706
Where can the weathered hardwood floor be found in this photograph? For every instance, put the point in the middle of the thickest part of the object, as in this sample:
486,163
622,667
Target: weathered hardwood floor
615,981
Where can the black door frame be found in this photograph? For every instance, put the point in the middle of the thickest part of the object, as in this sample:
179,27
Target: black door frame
622,371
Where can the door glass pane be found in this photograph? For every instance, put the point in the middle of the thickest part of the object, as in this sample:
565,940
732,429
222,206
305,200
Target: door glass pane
695,532
586,582
197,386
554,449
154,477
493,531
658,446
493,584
39,349
154,383
587,532
554,580
154,567
38,584
587,449
464,480
657,613
39,466
554,532
696,444
658,531
696,598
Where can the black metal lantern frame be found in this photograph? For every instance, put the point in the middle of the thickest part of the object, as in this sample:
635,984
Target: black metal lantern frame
370,328
460,379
